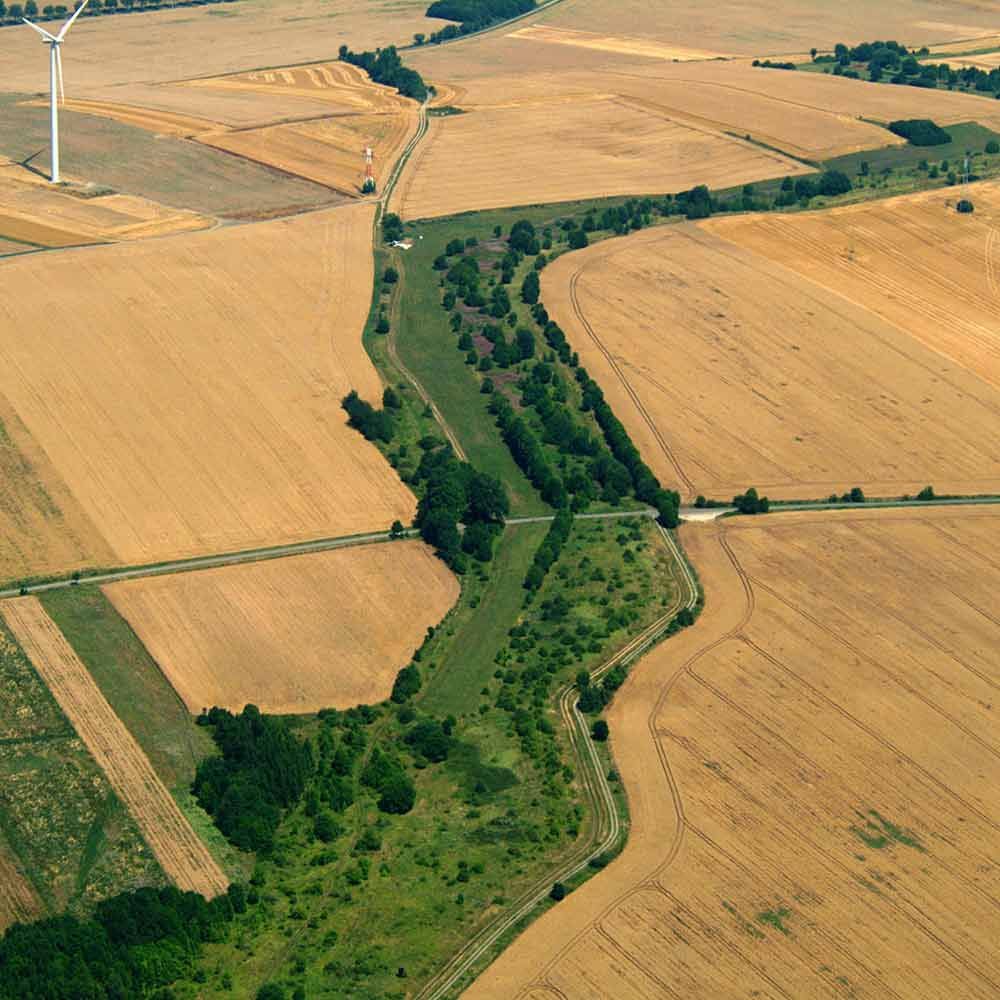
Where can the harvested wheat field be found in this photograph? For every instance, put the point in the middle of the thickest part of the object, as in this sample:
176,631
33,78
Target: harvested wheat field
187,391
773,26
186,43
328,151
43,529
914,261
326,630
49,218
19,903
731,370
649,48
530,155
809,773
345,88
182,856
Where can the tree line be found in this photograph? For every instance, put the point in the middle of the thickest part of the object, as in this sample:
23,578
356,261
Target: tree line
12,13
888,60
385,66
133,944
472,15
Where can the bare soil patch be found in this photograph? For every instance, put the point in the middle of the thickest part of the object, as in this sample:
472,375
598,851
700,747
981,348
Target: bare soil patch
183,857
806,777
328,630
188,390
730,369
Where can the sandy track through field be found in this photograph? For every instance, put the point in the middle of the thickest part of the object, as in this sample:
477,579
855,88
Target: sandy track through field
181,854
751,725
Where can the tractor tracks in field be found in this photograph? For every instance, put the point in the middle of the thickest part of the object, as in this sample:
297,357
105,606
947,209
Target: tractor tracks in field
608,827
626,385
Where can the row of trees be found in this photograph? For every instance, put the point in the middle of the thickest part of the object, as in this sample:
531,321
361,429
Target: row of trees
881,60
385,66
12,13
472,15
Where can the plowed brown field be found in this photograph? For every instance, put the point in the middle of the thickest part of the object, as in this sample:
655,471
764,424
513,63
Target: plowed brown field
188,390
732,370
808,772
586,148
182,856
329,630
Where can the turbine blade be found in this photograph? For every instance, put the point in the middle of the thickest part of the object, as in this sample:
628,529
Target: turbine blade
41,31
59,76
65,27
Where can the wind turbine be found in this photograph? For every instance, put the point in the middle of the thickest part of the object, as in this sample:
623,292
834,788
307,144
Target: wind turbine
55,80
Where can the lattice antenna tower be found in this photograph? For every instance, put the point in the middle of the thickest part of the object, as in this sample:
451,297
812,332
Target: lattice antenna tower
369,185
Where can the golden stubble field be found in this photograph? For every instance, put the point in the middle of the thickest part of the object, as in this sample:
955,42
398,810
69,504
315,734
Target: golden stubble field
549,151
767,27
186,391
328,630
189,43
853,347
809,777
181,854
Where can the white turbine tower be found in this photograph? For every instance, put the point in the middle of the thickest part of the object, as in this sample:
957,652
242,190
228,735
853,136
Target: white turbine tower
55,79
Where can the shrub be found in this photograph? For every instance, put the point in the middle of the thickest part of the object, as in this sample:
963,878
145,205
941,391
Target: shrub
398,795
406,685
557,892
920,132
965,206
599,731
992,147
750,503
834,182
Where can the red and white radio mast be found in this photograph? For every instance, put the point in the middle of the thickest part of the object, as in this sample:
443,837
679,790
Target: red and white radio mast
369,185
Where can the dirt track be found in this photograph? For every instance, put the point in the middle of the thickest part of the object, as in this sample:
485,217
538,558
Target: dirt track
181,854
818,689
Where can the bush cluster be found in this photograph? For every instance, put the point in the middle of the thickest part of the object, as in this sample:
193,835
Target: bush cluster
920,132
386,67
262,771
134,943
